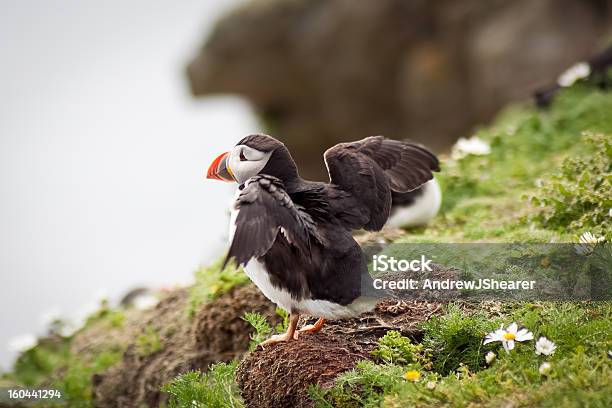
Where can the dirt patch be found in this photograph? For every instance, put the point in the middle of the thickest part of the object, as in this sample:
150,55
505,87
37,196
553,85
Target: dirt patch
219,326
279,376
181,344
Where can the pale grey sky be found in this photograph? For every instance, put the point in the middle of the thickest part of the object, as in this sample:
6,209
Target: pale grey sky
102,153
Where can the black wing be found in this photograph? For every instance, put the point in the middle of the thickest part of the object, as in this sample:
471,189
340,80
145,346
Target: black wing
265,210
372,168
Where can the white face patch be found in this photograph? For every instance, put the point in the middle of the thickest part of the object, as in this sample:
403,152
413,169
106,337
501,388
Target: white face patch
246,162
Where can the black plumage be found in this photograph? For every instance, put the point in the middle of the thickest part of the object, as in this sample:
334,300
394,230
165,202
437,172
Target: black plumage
301,231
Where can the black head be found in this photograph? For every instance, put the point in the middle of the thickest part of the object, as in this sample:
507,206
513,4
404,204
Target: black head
255,154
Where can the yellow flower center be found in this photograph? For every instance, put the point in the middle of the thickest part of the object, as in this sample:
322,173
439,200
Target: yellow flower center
412,375
509,336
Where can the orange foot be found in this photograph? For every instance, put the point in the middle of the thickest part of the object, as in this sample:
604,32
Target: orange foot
291,334
313,328
279,338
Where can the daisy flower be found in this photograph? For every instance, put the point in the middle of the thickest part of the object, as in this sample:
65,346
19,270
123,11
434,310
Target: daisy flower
587,242
474,145
545,347
508,336
490,357
545,368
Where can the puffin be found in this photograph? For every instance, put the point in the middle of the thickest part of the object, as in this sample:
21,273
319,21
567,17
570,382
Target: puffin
294,237
415,208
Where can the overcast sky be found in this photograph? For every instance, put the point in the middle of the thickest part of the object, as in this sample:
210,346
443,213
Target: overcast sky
102,153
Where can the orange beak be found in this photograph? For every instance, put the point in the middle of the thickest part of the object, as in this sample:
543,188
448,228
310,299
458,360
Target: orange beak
219,169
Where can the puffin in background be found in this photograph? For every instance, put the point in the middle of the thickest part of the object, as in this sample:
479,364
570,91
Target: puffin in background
294,237
415,208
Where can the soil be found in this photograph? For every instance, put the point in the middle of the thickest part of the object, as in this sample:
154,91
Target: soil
215,334
275,377
279,375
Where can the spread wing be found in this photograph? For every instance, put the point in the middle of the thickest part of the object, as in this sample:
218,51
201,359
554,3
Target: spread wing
370,169
265,210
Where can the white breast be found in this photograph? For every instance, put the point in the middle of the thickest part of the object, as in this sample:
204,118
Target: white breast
258,274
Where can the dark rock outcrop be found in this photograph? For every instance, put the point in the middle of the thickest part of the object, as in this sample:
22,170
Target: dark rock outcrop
320,72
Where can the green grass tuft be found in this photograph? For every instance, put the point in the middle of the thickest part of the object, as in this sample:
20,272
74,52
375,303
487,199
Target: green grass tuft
215,389
212,282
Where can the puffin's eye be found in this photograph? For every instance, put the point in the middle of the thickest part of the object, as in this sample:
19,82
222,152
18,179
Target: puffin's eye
242,156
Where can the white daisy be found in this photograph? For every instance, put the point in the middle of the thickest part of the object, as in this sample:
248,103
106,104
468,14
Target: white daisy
589,238
587,242
574,73
545,347
474,145
508,336
545,368
490,357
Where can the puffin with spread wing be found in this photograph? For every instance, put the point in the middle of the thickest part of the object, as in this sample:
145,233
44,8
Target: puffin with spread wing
294,236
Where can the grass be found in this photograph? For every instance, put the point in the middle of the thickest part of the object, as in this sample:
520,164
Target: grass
212,282
581,373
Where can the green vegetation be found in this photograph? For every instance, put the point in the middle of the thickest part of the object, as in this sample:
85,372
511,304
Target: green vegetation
212,282
215,389
456,339
50,364
483,194
580,373
149,342
393,348
263,330
579,195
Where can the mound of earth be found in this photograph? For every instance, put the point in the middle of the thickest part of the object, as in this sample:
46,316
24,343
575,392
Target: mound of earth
276,376
219,327
215,334
279,375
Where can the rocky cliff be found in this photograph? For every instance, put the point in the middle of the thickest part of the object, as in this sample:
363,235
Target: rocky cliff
320,72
